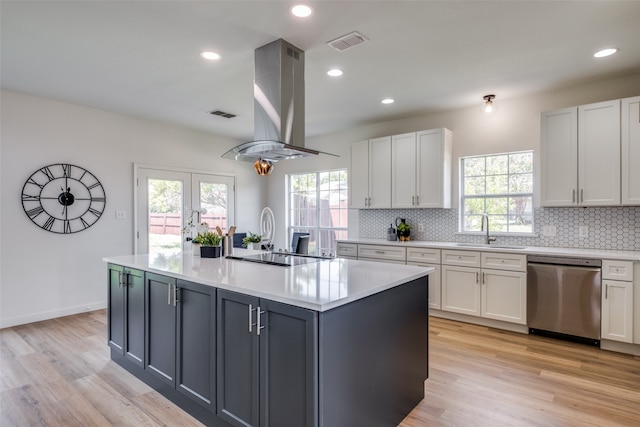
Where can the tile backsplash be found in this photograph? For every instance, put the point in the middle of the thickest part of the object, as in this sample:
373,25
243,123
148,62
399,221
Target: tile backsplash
613,228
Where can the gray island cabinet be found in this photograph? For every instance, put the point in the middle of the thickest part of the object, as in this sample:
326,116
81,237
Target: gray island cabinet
337,343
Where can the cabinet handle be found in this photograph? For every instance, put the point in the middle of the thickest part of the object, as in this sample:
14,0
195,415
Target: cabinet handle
120,279
417,200
169,295
176,292
380,252
573,196
484,278
477,276
413,200
259,326
581,196
606,292
251,310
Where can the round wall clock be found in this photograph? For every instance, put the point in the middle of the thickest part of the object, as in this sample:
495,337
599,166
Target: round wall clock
63,198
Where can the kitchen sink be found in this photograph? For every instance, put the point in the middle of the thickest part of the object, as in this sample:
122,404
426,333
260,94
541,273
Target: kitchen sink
484,245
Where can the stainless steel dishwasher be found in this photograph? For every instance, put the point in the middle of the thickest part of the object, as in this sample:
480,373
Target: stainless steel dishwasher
563,297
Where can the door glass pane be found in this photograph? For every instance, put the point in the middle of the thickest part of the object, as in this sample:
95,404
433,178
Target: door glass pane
165,216
213,205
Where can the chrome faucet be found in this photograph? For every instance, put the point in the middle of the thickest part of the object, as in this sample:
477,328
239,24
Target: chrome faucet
488,240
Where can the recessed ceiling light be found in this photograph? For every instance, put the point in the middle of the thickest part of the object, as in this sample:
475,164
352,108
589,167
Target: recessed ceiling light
210,55
301,10
388,101
334,72
605,52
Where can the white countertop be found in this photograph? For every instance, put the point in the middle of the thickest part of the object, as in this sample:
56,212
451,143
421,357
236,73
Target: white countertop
319,286
495,247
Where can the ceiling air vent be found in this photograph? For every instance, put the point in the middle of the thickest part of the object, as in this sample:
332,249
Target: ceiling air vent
347,41
222,114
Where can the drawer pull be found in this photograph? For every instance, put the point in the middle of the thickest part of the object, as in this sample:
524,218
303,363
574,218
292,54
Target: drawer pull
380,252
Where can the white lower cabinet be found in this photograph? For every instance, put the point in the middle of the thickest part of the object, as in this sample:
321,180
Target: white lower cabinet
617,301
470,289
428,257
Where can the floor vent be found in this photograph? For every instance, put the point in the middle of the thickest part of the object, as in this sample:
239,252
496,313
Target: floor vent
347,41
222,114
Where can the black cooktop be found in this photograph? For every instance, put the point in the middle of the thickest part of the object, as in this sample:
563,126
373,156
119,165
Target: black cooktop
281,259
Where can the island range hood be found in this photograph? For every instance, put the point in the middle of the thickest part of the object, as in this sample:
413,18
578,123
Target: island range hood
278,92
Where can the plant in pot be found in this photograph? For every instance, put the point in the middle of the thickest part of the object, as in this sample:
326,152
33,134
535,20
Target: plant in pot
404,231
210,244
252,241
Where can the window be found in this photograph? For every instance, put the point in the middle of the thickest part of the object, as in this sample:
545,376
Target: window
318,206
500,185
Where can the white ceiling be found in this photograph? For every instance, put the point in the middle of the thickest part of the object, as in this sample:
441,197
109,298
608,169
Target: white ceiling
142,57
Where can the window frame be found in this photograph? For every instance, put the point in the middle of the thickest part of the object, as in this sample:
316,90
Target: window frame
527,217
318,228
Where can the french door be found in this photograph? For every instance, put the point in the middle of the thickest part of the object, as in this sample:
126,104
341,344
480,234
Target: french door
172,206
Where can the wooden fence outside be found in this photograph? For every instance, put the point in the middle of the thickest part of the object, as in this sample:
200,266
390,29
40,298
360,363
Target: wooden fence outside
171,223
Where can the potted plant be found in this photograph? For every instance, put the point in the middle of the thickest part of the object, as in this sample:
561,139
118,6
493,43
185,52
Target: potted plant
252,241
404,231
210,244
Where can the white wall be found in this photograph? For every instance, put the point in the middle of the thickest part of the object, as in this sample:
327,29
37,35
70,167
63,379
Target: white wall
45,275
514,127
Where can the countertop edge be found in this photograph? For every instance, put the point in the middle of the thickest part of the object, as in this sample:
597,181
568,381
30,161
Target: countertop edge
528,250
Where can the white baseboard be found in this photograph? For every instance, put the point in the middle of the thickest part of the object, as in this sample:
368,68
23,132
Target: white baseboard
37,317
491,323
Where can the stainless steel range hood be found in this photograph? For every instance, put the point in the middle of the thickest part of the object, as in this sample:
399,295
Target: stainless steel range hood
278,107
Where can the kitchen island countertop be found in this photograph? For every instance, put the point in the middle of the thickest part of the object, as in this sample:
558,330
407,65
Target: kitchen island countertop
320,286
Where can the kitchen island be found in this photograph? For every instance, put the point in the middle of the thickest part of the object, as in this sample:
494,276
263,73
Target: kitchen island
329,342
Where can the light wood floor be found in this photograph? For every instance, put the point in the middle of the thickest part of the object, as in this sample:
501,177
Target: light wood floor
58,373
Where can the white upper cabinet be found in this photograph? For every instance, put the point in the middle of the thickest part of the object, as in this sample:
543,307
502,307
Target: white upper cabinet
630,128
559,157
599,154
580,155
421,169
370,173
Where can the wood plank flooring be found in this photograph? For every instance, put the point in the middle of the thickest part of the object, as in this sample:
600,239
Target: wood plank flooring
58,373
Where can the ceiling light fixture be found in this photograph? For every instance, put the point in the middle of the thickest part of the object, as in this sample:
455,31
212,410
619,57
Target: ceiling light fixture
388,101
263,167
605,52
301,10
212,56
488,103
334,72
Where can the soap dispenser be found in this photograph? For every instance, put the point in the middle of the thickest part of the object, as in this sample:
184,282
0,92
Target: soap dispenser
391,233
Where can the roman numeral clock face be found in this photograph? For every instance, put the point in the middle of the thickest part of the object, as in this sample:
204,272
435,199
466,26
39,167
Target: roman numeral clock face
63,198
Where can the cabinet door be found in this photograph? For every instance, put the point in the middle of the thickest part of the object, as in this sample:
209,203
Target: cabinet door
115,308
195,358
599,154
559,157
288,366
434,284
617,311
134,325
359,174
504,295
237,359
461,290
433,173
403,170
380,172
161,327
630,121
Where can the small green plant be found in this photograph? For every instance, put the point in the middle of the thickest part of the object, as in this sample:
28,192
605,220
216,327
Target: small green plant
251,238
403,226
208,238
